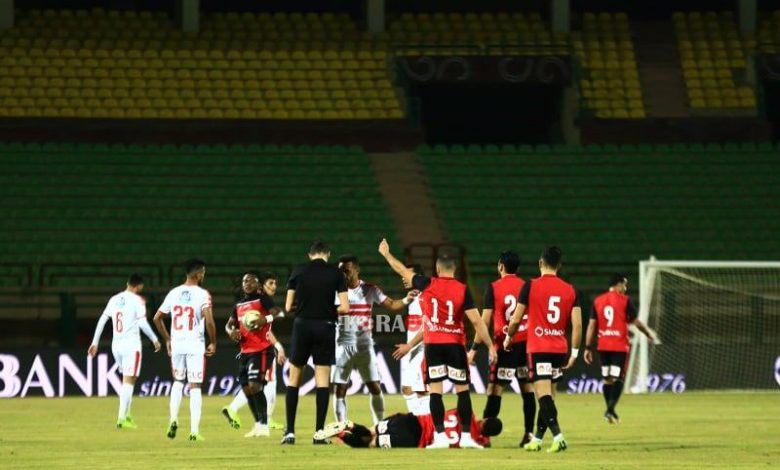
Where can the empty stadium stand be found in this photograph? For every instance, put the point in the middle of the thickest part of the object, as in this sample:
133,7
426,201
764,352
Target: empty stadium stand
714,59
112,64
607,206
88,215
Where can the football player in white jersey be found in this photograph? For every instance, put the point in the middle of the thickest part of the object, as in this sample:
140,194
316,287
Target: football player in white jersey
189,306
127,312
354,343
411,355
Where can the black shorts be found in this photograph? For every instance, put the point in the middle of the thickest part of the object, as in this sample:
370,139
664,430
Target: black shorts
315,338
510,364
546,366
446,361
256,366
398,430
613,364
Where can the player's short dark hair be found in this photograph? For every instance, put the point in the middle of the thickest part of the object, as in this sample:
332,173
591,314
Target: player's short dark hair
135,280
552,256
266,275
417,268
358,436
193,265
446,261
252,272
491,427
349,258
617,278
319,247
510,260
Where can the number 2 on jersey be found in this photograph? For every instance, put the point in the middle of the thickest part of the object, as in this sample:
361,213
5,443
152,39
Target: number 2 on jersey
450,312
178,312
510,301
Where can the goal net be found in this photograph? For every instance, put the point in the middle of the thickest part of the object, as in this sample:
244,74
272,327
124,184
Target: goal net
718,324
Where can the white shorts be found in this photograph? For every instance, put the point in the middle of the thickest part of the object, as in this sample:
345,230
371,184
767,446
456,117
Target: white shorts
412,370
349,358
189,366
128,360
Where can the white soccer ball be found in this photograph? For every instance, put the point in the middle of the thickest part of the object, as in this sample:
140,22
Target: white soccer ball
250,319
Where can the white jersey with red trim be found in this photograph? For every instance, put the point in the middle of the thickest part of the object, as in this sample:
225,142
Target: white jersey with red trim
355,328
185,305
414,319
125,310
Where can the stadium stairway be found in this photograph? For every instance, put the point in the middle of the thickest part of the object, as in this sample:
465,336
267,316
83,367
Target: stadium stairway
659,69
405,191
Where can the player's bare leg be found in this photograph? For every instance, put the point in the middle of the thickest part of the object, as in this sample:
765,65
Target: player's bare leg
196,405
177,391
322,382
340,402
377,401
124,421
291,400
465,412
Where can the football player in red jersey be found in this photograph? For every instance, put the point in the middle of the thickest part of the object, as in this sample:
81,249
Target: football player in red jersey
258,351
409,430
444,301
551,304
500,303
612,312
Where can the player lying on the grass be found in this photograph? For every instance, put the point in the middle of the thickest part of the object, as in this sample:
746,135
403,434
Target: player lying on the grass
354,343
267,290
250,326
612,312
409,430
127,312
500,303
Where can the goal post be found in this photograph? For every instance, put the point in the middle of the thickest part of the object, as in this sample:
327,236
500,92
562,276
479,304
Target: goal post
718,323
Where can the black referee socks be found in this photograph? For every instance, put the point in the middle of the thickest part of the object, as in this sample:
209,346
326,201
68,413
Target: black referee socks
291,400
322,406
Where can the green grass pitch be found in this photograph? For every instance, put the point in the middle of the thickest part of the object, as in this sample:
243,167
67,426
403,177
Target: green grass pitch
691,430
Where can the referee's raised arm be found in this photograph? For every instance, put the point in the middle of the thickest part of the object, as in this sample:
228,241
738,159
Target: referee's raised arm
310,295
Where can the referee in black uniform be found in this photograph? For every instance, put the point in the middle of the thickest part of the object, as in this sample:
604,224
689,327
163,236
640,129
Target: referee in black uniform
312,288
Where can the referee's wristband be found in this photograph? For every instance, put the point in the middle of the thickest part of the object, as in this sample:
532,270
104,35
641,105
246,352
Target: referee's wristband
575,352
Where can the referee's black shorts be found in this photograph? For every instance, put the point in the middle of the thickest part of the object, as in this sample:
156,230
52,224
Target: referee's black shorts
315,338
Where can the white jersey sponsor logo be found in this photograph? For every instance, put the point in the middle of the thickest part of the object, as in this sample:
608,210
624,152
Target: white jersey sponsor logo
185,305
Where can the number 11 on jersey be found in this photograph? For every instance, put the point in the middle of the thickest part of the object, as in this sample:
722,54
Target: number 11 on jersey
450,312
